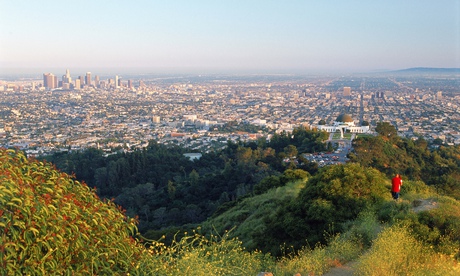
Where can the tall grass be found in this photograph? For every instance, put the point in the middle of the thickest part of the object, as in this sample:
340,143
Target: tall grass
197,255
397,252
319,260
374,250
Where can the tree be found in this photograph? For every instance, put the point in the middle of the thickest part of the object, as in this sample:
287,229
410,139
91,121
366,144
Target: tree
438,141
267,184
290,151
194,177
335,195
387,130
171,190
291,175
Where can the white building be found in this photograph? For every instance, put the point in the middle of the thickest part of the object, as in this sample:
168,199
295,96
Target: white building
344,123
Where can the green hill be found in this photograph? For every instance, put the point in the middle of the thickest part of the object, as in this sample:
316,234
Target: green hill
53,224
247,219
350,211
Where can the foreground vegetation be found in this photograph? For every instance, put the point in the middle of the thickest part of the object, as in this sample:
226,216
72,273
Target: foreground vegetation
52,224
251,207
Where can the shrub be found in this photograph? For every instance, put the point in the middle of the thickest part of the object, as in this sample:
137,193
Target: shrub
364,229
51,224
416,189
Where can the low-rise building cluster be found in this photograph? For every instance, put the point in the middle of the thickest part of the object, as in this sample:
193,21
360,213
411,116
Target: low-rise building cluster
188,111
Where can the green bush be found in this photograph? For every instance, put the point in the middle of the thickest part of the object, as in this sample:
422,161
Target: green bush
392,211
363,230
333,196
411,190
51,224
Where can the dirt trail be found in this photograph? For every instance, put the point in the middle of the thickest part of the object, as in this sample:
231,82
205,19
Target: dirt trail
424,205
344,270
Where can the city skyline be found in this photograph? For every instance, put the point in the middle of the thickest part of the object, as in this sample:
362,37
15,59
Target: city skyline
237,37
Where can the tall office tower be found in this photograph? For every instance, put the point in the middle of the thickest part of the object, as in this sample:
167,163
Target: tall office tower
66,78
96,81
49,81
116,81
46,79
81,80
88,79
130,84
346,91
77,84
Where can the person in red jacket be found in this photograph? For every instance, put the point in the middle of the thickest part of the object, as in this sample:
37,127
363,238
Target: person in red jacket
396,186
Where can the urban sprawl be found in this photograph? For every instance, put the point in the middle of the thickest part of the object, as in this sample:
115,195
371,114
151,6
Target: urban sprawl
49,114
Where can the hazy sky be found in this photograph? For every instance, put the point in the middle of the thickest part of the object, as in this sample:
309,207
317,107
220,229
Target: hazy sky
256,36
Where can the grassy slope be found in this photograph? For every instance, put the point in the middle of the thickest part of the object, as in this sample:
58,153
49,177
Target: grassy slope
365,241
248,215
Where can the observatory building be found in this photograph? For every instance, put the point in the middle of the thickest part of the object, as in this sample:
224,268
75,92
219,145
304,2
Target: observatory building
343,123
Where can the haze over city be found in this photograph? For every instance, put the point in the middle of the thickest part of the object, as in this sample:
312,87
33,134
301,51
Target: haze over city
227,36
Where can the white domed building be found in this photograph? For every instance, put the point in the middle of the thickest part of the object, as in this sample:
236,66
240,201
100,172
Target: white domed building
343,123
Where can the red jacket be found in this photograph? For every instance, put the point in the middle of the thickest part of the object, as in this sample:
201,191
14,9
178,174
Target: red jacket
396,184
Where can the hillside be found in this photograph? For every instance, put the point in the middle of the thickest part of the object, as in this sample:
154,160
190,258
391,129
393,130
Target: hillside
423,222
246,220
50,223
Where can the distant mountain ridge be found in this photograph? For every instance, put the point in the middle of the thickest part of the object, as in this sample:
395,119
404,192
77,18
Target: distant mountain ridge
428,70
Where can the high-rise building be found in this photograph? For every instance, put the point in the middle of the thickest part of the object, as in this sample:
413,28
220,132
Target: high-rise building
66,78
77,84
347,91
49,81
130,84
96,81
88,79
